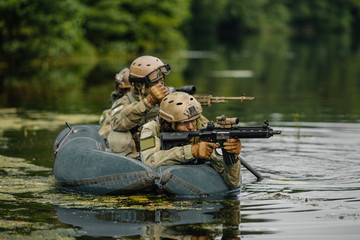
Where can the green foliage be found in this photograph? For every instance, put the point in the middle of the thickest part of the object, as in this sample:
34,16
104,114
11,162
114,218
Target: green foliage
45,29
281,15
39,29
321,16
258,15
203,24
140,26
229,20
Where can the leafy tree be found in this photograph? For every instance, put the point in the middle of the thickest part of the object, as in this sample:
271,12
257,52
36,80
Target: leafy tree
322,16
229,20
140,26
256,15
201,29
39,29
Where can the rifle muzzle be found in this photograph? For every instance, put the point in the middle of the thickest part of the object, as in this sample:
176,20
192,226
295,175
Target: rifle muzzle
277,132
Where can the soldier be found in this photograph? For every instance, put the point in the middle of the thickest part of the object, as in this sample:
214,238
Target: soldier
140,105
122,87
180,111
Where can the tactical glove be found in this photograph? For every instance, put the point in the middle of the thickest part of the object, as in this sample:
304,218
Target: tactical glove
203,150
233,146
156,94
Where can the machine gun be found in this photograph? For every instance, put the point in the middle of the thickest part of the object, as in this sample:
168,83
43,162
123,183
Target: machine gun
207,100
227,129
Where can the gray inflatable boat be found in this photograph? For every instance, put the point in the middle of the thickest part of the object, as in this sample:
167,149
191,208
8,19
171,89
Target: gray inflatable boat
84,164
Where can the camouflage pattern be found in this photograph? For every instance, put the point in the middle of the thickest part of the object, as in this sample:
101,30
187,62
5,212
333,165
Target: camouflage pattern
152,155
179,107
105,127
105,119
126,115
123,143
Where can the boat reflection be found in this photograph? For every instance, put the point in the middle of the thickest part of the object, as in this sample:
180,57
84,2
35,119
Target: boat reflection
204,220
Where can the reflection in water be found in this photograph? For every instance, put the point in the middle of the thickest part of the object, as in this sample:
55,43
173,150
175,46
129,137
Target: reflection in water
207,219
316,78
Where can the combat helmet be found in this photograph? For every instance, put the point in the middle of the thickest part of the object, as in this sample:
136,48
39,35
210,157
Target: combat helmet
148,69
122,80
179,107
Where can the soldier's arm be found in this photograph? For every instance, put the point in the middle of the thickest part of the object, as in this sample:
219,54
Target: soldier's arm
104,123
152,155
126,115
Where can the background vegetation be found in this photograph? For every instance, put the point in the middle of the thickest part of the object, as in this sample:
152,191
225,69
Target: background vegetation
45,29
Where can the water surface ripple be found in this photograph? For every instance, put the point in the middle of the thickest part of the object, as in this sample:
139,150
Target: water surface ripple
311,187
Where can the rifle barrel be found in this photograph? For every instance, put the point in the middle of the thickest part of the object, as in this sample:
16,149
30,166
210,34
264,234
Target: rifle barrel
207,100
236,98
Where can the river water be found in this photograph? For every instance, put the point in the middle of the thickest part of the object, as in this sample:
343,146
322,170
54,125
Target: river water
311,185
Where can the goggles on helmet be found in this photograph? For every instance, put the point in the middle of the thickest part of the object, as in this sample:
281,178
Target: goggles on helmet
153,76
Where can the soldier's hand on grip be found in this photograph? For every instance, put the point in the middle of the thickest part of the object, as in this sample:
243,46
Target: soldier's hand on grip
203,150
233,146
156,94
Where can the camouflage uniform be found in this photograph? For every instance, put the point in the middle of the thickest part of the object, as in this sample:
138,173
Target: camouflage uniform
153,156
130,111
121,126
104,123
122,86
105,119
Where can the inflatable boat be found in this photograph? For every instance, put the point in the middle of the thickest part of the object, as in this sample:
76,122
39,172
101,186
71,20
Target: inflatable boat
84,164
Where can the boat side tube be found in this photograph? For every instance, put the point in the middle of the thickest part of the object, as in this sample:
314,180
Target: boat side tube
83,165
191,180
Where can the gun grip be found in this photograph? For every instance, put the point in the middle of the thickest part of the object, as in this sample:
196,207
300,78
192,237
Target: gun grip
229,158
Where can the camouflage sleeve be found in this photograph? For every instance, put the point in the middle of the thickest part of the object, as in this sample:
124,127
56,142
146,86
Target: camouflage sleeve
104,117
153,156
230,174
104,123
126,115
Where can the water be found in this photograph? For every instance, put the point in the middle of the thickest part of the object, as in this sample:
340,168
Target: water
311,186
312,192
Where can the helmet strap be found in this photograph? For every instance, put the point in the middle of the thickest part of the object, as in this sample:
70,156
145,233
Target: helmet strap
143,91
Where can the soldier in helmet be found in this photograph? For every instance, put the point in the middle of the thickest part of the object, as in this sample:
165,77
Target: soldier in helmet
180,111
122,87
140,105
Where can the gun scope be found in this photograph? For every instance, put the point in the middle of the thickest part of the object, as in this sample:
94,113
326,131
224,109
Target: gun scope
222,120
189,89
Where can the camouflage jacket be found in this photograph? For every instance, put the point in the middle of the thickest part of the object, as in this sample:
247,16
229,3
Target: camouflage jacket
130,111
104,123
105,118
152,155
